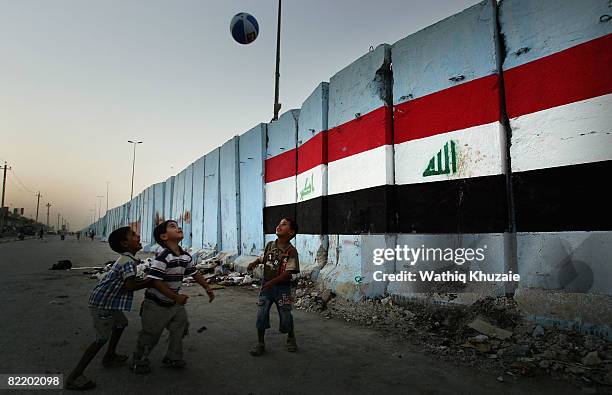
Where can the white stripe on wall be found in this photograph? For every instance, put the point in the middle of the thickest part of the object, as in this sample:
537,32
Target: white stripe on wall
478,152
364,170
280,192
312,183
579,132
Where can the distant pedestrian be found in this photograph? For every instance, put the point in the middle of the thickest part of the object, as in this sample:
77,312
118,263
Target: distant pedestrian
92,234
40,233
78,235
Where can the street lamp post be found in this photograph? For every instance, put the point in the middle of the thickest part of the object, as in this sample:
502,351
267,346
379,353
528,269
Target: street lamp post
99,205
133,165
277,105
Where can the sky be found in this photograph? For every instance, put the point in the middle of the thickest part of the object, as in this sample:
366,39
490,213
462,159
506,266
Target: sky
79,78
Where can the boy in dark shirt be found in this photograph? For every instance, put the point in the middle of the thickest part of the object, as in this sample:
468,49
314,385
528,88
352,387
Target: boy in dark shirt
280,260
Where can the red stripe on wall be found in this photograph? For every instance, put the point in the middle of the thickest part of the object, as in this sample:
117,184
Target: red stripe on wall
364,133
470,104
574,74
361,134
312,153
280,166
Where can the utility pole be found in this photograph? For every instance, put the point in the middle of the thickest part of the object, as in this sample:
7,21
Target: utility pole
133,165
277,105
37,204
58,218
99,205
3,192
48,206
107,182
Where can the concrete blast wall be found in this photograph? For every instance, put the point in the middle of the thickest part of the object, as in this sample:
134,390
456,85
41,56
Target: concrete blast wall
488,130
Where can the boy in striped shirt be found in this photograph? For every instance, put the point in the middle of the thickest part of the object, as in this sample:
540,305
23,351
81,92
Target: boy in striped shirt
164,306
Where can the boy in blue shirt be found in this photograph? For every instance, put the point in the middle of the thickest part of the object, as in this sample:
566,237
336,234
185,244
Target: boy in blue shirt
107,301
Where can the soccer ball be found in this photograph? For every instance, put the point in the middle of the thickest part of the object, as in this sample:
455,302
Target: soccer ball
244,28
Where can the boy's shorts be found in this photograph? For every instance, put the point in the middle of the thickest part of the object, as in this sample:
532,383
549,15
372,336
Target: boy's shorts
106,320
281,296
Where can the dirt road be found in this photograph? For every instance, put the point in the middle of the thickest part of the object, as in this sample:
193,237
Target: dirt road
46,325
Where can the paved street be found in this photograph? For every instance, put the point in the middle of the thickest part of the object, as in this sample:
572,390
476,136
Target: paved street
46,326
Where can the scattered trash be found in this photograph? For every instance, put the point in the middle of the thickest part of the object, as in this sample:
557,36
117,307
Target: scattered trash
62,265
489,334
524,368
484,327
143,268
327,295
202,329
480,343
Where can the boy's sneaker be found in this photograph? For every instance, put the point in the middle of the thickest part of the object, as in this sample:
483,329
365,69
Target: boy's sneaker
140,366
258,349
291,344
174,363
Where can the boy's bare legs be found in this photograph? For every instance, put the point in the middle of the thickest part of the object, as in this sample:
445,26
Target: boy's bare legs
87,357
111,355
92,350
291,343
260,347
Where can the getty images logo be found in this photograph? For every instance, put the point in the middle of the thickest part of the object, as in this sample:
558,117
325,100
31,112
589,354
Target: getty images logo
414,255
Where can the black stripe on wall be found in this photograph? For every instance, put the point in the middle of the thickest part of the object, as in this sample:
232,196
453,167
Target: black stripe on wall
470,205
272,216
310,216
566,198
474,205
367,210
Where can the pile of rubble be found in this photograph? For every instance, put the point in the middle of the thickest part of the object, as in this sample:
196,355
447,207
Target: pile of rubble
489,334
219,270
97,272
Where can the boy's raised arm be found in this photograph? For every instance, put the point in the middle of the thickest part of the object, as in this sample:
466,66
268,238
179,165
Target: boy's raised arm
256,262
131,284
128,273
199,278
